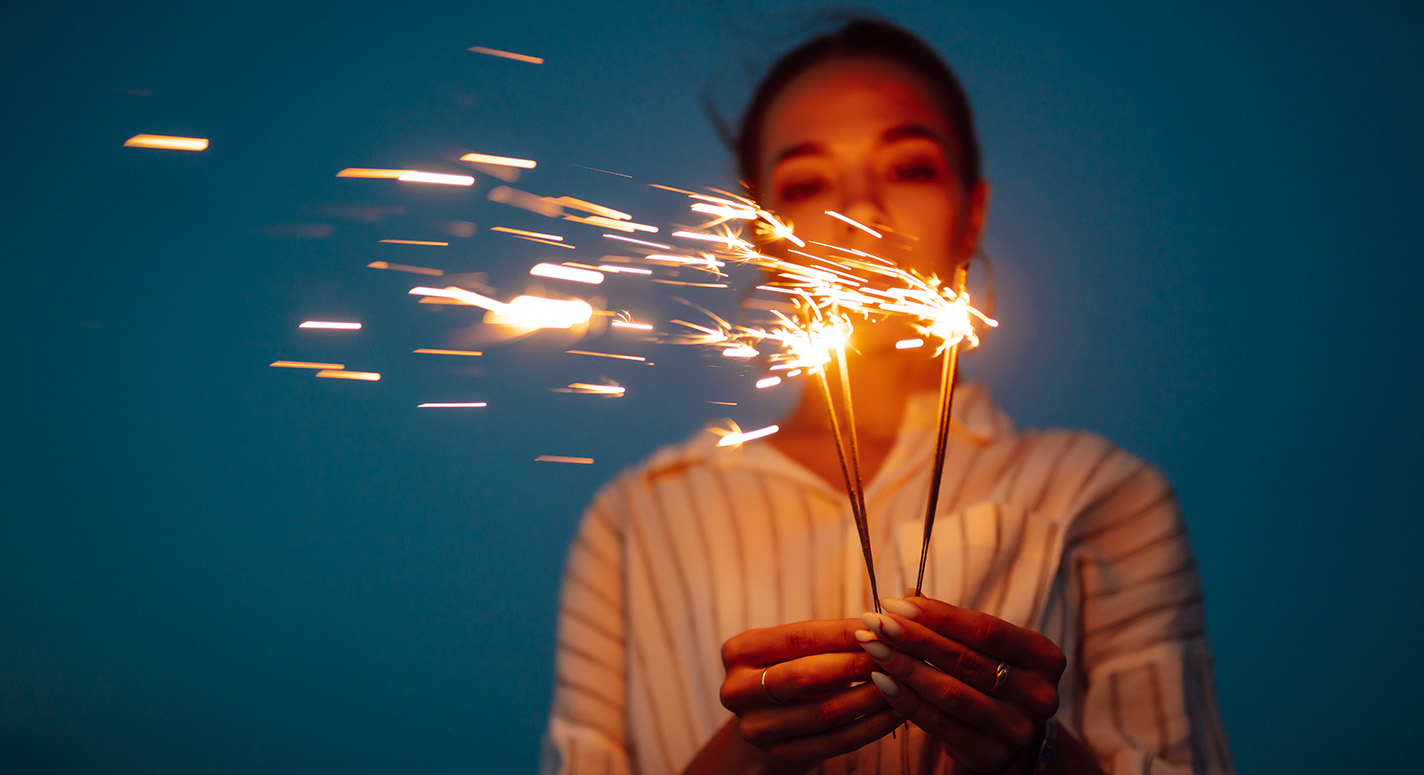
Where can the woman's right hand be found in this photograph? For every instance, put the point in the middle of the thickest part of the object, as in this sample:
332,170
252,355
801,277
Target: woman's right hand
802,693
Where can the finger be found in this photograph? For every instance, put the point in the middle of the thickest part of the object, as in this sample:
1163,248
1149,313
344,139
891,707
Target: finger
1034,690
986,634
965,743
770,645
811,750
764,726
952,697
789,682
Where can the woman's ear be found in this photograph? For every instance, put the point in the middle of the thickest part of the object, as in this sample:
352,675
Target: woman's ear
978,213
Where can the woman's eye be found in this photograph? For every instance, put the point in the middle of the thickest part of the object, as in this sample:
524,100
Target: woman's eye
914,172
798,190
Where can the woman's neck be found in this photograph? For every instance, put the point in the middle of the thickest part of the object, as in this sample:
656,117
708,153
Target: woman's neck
880,384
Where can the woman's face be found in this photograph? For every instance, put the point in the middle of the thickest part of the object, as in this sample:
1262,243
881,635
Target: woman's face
866,137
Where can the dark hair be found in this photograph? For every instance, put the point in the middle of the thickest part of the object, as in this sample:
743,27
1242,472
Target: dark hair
861,37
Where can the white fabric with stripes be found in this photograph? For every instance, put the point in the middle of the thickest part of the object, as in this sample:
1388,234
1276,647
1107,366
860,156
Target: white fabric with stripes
1058,531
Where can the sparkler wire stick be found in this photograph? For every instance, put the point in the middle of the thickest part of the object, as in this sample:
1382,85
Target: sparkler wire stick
857,499
946,404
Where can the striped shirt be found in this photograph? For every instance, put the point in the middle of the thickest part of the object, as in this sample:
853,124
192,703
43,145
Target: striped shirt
1058,531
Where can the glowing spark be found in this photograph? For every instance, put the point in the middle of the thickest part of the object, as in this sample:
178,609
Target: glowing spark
532,234
494,52
855,223
416,176
623,269
499,161
738,439
433,351
723,403
330,325
657,245
546,242
364,172
306,365
694,285
365,376
538,312
909,344
590,207
405,268
637,326
460,296
560,272
415,242
737,213
525,201
732,242
606,355
740,351
167,142
469,405
610,223
562,459
606,172
593,390
767,382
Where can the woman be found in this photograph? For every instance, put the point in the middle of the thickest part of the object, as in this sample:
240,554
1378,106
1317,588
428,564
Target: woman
711,617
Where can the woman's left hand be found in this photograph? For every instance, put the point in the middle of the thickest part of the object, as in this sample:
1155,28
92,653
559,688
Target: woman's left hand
979,685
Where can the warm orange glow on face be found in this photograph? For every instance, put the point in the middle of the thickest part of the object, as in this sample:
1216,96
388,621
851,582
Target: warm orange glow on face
499,161
415,242
469,405
494,52
365,172
364,376
433,351
560,272
405,268
439,178
306,365
330,324
167,142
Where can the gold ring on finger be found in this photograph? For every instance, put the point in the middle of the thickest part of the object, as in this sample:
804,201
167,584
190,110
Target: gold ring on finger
767,691
1001,674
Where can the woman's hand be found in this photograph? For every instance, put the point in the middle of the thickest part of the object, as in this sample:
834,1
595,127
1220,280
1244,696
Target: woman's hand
940,667
801,693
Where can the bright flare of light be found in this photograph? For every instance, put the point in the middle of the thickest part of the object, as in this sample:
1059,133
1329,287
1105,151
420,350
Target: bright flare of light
366,172
735,438
433,351
563,459
656,245
560,272
364,376
416,176
855,223
306,365
590,207
740,351
167,142
909,344
405,268
494,52
594,390
539,312
767,382
415,242
531,234
499,161
469,405
635,326
331,325
623,269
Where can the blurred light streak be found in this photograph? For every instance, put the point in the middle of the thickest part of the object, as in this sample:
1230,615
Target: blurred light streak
525,201
494,52
738,213
167,142
434,351
729,241
740,351
539,312
439,178
329,324
306,365
523,233
623,269
606,172
637,326
596,390
735,438
606,355
364,172
657,245
855,223
546,242
414,242
723,403
909,344
767,382
365,376
499,161
405,268
694,285
590,207
469,405
611,223
562,459
560,272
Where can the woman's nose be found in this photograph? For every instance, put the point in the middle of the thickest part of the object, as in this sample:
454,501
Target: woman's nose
861,202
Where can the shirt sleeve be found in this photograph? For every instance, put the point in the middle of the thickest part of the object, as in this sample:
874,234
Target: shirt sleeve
1149,697
587,732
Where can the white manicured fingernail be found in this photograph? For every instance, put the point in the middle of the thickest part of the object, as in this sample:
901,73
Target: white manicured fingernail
900,608
876,649
884,626
885,684
872,621
864,636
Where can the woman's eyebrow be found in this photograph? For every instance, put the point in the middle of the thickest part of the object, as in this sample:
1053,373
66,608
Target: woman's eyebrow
803,149
911,131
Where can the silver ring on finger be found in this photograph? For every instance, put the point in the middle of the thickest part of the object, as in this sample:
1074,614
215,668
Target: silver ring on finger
767,691
1001,674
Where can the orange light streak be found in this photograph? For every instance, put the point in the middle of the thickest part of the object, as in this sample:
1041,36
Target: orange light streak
723,403
167,142
740,351
738,213
525,201
530,234
694,285
330,324
767,382
366,172
494,52
623,269
546,242
607,355
636,326
499,161
909,344
855,223
433,351
468,405
611,223
414,242
734,438
560,272
585,388
606,172
405,268
731,242
439,178
306,365
364,376
590,207
657,245
562,459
